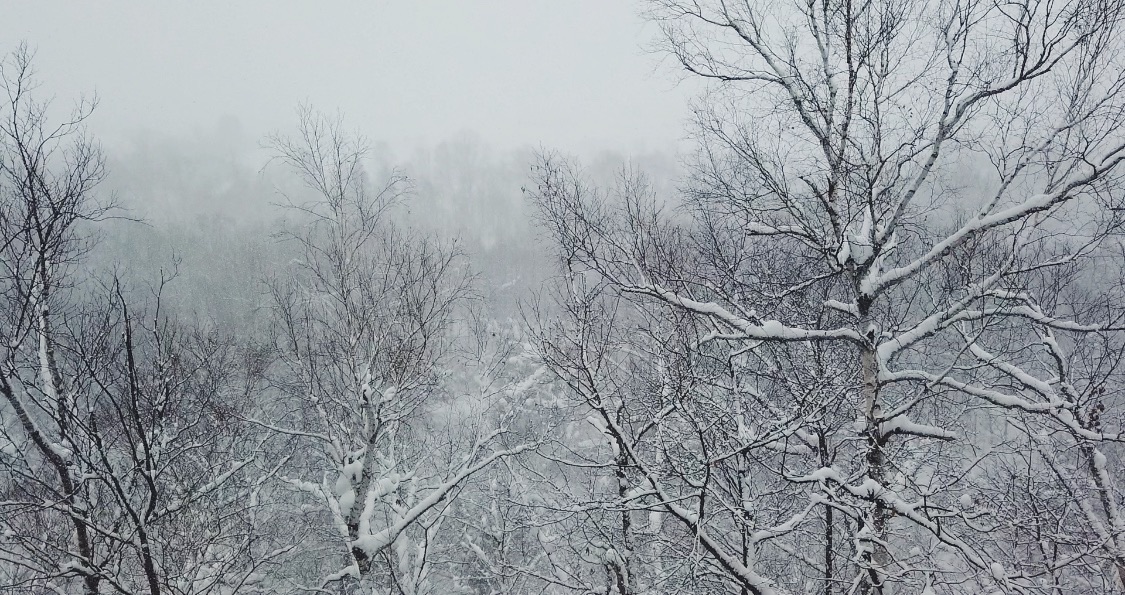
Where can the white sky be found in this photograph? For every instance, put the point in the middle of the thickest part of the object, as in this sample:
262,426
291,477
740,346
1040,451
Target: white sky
567,74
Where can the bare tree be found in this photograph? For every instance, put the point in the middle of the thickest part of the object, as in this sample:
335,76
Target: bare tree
903,243
367,331
49,174
119,438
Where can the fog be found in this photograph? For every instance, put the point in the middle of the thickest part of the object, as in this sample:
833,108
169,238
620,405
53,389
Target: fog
457,95
572,75
647,297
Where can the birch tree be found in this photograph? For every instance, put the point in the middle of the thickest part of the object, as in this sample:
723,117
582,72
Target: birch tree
367,332
900,233
121,465
42,207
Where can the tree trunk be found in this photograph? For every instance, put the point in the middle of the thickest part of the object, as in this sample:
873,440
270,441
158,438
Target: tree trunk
875,556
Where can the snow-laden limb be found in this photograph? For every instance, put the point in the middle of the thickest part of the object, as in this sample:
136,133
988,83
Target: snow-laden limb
349,571
995,397
1029,310
937,321
1059,406
851,309
872,490
901,424
54,451
202,491
788,526
376,541
767,330
1105,486
1035,204
289,431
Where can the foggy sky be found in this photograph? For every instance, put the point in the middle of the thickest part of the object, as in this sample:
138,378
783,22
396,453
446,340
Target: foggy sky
569,75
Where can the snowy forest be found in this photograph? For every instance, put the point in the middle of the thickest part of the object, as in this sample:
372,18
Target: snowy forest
864,336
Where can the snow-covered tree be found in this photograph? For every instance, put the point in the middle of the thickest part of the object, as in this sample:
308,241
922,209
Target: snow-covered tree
122,464
392,418
894,292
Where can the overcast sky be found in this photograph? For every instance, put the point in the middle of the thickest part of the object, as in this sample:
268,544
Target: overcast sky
570,74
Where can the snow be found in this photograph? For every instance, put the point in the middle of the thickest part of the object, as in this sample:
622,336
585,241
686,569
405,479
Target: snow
373,542
745,434
637,492
845,253
344,488
351,570
851,309
773,327
861,249
822,474
47,373
903,425
768,330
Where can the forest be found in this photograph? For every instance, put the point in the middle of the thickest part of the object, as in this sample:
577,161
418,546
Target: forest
865,337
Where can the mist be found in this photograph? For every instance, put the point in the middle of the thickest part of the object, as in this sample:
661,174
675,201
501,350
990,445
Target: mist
653,297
